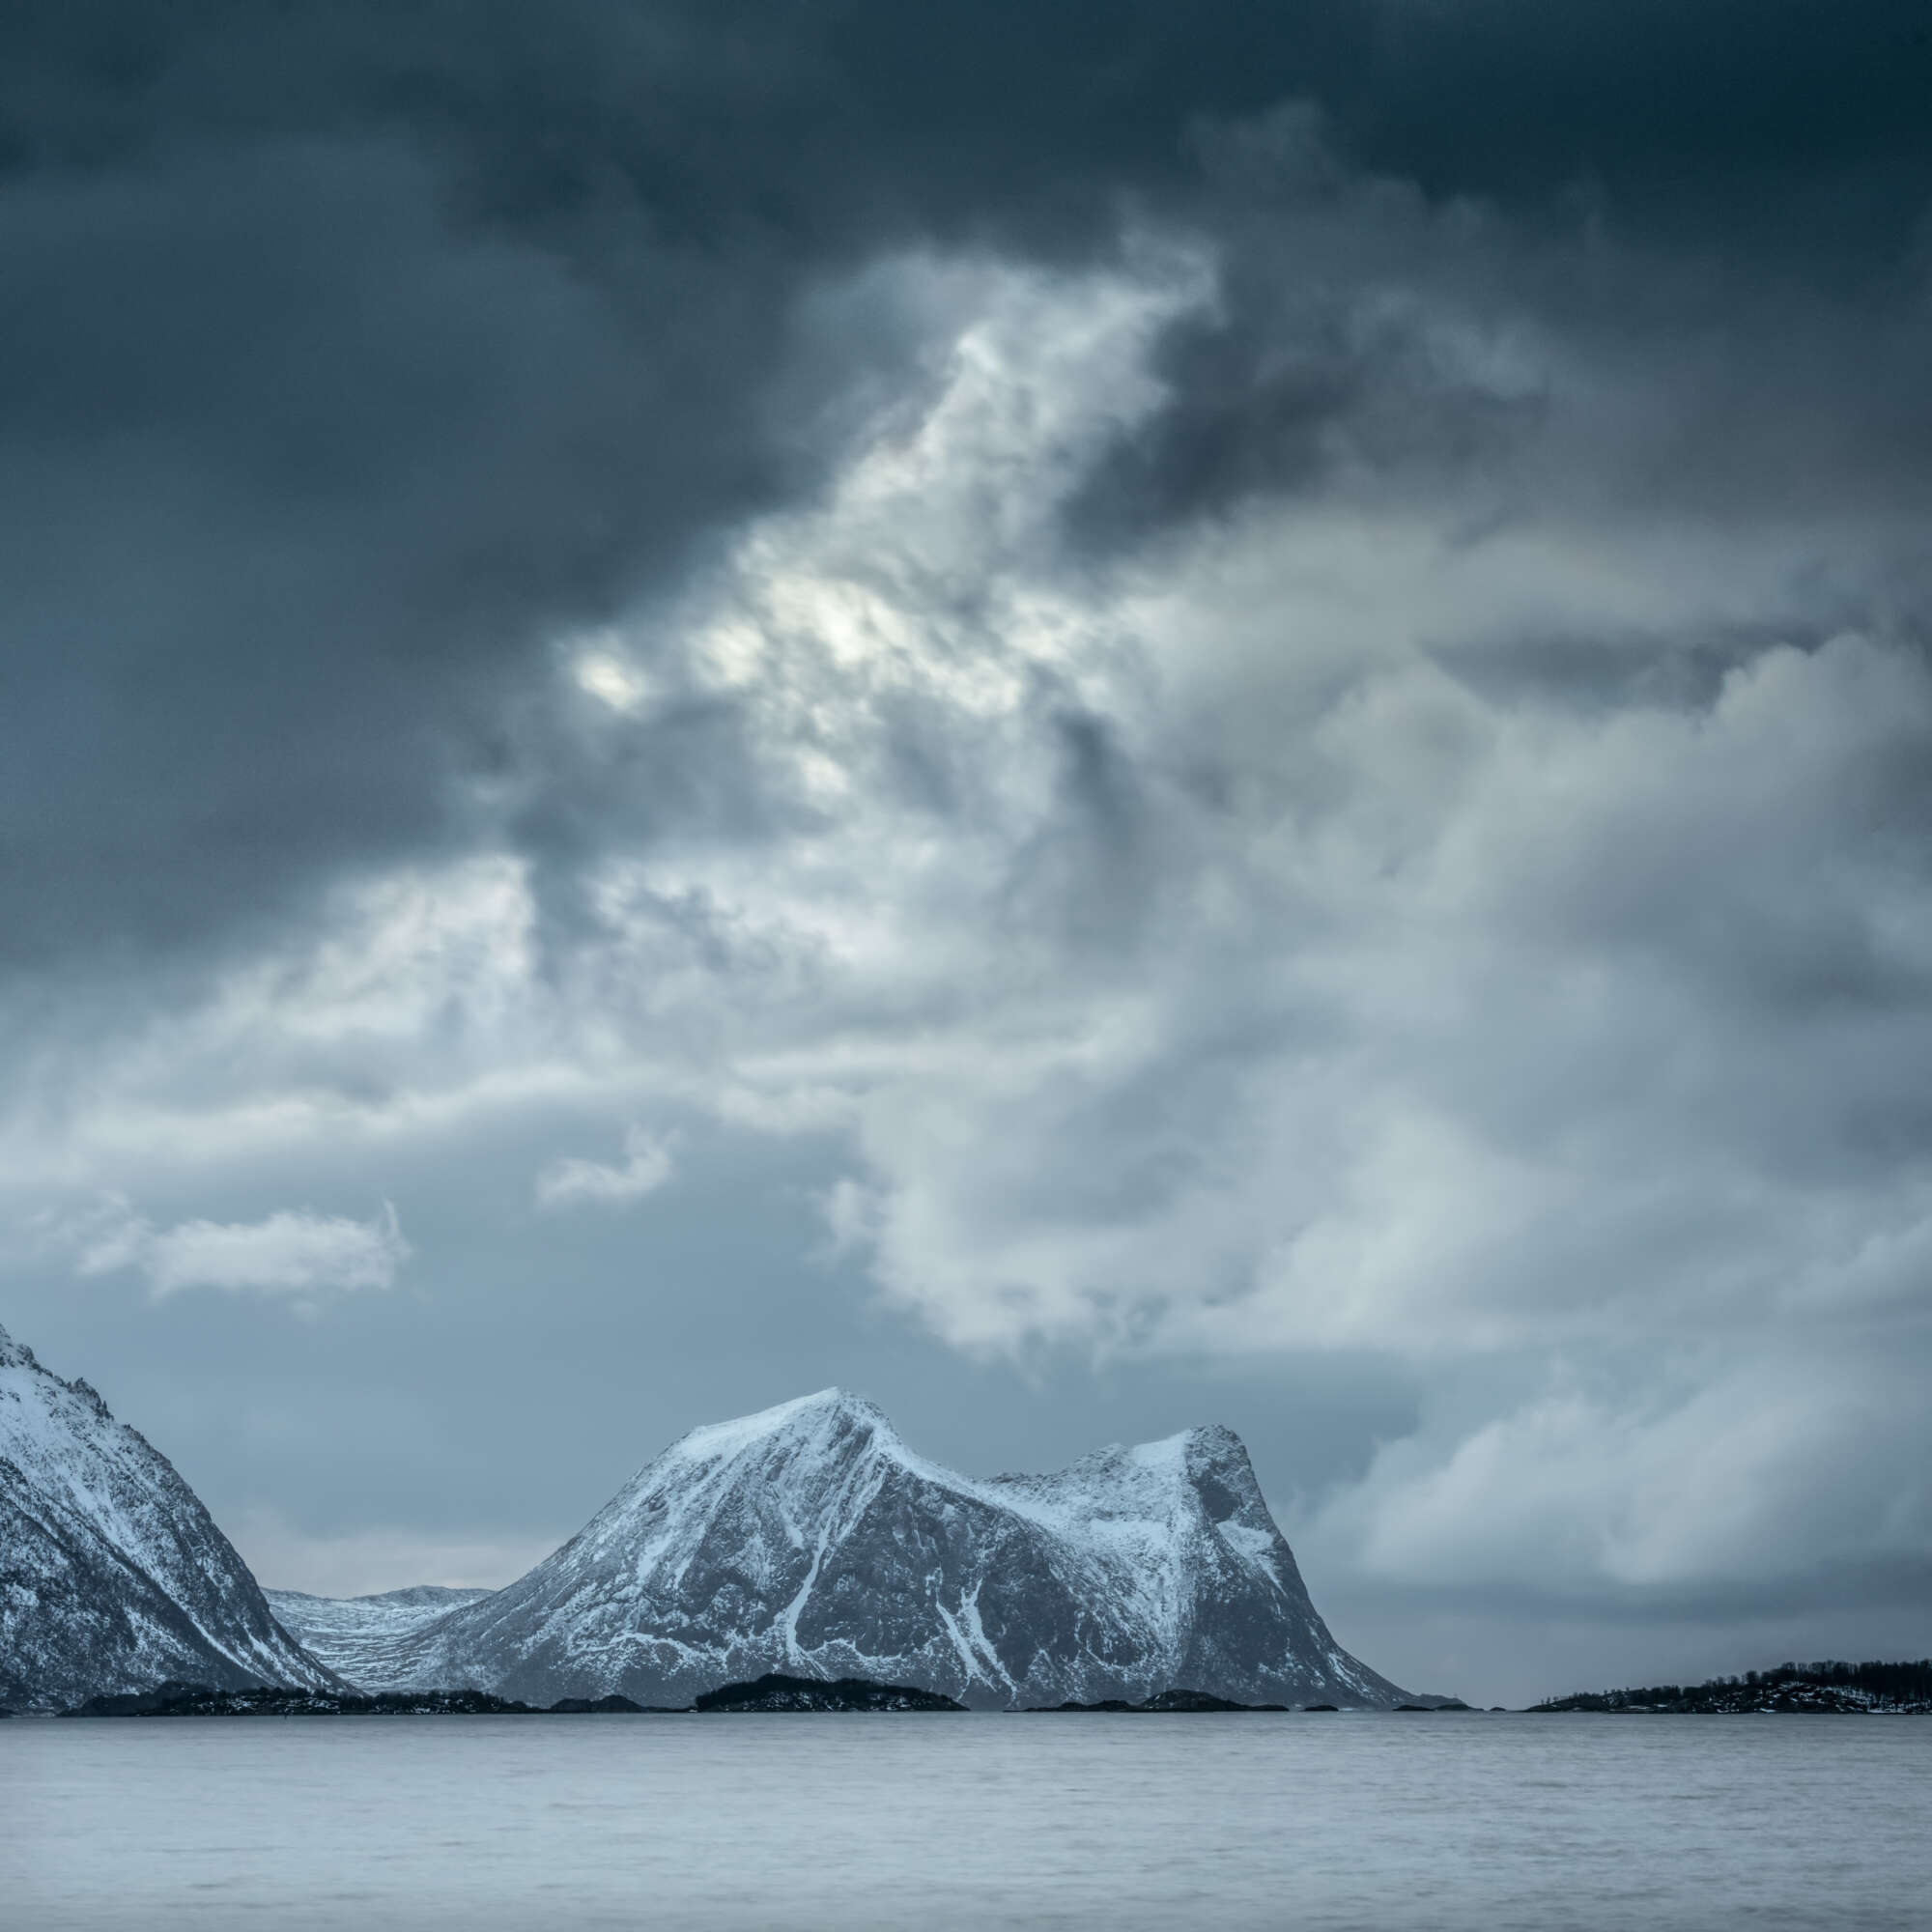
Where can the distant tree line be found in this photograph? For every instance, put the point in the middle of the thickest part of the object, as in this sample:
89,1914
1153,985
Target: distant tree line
1895,1683
1828,1682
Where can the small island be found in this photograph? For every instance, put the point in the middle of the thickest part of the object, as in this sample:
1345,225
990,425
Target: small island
1162,1701
776,1691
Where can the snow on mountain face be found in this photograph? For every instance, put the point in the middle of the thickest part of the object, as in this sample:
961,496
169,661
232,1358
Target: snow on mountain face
112,1575
358,1635
810,1540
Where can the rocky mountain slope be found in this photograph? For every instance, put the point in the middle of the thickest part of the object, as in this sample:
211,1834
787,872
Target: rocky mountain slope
112,1575
810,1540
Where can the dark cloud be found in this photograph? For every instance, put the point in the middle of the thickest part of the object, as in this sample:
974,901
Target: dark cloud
350,348
1372,336
296,472
1793,128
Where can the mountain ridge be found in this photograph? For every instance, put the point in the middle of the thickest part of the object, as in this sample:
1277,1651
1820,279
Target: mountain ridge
810,1539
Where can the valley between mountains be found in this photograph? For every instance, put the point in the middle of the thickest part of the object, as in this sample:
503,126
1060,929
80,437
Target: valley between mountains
809,1538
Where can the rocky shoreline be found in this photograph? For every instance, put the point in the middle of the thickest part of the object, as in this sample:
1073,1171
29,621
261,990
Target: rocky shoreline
771,1693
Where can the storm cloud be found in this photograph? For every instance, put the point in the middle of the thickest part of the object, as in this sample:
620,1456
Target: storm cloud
1120,713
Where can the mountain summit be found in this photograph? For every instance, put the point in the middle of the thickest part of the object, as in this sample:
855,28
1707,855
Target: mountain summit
809,1539
112,1575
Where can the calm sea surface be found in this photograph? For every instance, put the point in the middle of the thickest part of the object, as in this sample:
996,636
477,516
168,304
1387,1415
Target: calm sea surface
1349,1821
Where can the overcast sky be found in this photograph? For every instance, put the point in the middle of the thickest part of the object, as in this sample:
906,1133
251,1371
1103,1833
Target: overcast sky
1090,715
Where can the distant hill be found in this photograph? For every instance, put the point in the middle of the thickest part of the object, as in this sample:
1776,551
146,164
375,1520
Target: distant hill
1827,1686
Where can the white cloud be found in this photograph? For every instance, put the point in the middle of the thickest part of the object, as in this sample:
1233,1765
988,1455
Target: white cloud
297,1253
1765,1466
646,1167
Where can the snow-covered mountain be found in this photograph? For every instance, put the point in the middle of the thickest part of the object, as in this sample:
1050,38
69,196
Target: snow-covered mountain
112,1575
810,1539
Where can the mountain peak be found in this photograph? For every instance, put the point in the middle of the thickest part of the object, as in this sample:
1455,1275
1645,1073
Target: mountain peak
1214,1446
1216,1438
824,1411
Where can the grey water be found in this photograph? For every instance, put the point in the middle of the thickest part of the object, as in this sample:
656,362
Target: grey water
1346,1821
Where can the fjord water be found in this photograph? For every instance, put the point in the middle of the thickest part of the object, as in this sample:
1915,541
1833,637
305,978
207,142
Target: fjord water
1346,1820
